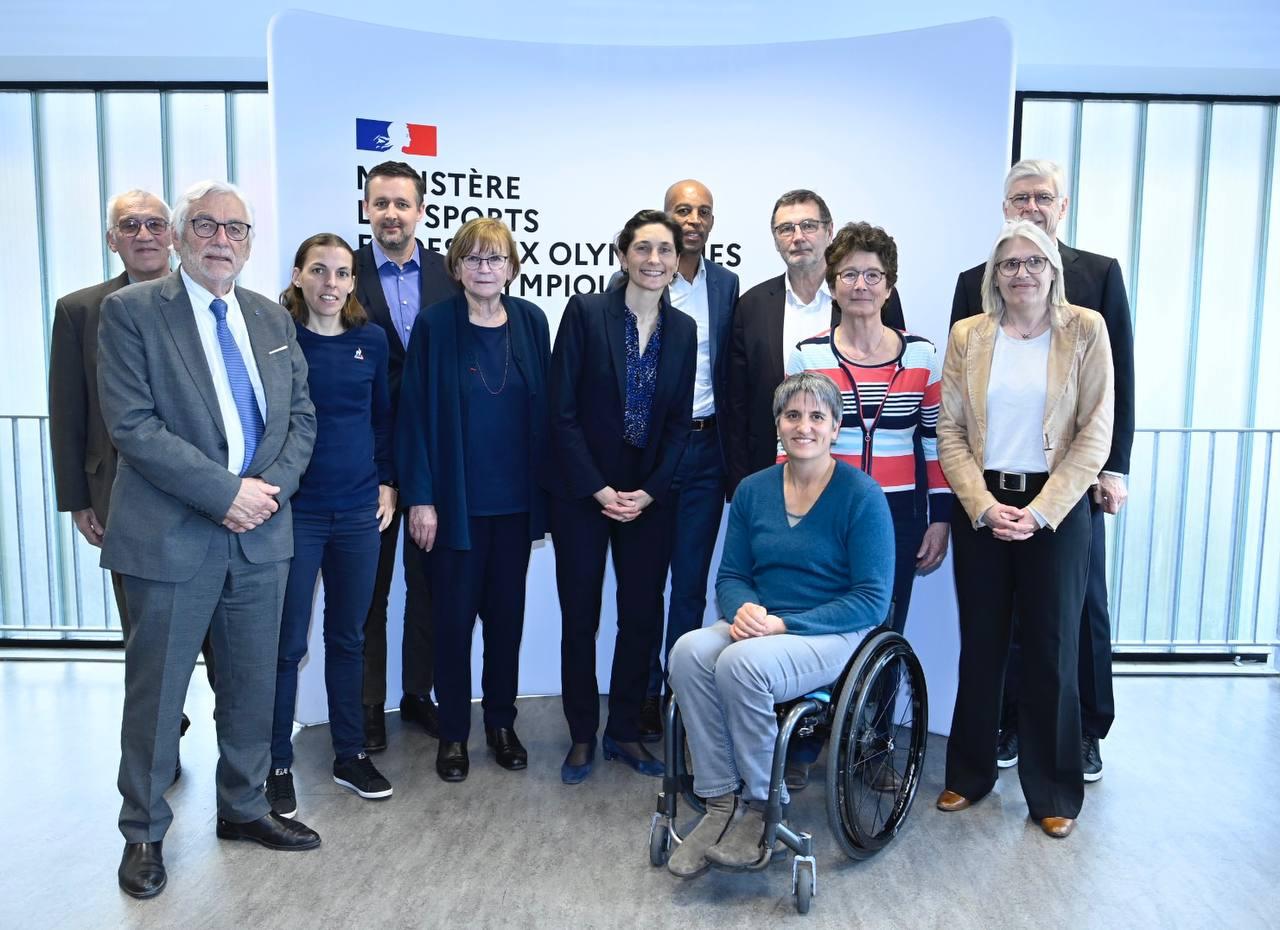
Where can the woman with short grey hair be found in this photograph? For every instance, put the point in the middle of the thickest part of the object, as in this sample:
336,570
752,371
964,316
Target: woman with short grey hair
806,572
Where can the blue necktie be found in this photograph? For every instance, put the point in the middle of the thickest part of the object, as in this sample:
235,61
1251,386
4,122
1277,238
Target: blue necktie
241,386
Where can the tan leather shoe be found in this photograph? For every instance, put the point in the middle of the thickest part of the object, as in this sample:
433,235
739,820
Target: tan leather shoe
950,801
1058,827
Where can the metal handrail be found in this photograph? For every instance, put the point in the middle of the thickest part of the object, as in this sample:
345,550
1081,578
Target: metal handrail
1235,603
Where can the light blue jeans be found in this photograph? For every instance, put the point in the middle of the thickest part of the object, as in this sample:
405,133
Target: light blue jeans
726,692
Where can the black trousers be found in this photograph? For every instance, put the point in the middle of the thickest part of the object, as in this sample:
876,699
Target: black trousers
1043,580
415,649
1097,697
487,580
641,552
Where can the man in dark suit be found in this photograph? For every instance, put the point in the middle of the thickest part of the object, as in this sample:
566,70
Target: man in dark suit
396,276
770,319
84,460
204,393
1033,190
707,292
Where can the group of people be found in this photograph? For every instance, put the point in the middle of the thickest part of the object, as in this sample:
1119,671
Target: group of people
241,449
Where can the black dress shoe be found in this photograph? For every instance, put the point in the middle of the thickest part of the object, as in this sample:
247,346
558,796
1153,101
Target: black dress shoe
272,831
177,771
418,708
506,748
184,726
141,872
375,728
452,763
650,722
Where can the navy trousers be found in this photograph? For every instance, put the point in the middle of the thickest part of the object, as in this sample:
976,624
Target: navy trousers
487,580
696,502
343,547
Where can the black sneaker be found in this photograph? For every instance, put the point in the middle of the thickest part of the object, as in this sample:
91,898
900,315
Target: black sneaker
1091,755
280,793
1007,749
361,777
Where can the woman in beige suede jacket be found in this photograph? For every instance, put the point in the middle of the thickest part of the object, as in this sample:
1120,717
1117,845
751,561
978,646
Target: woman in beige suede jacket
1025,427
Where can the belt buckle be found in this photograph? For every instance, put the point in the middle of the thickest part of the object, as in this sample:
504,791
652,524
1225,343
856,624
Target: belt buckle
1006,476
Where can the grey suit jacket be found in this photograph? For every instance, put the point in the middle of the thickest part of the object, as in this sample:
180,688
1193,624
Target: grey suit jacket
172,488
84,461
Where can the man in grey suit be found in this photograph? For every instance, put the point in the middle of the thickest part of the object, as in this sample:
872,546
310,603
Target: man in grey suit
204,392
84,460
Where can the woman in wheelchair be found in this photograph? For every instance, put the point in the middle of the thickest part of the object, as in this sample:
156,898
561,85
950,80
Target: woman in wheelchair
806,573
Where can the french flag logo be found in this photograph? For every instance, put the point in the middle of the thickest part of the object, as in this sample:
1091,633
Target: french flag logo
375,135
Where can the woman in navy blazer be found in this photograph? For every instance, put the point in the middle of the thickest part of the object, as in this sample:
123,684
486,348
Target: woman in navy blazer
621,378
471,441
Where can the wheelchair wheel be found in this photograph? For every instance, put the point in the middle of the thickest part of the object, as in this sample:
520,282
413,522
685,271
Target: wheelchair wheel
659,843
804,887
879,730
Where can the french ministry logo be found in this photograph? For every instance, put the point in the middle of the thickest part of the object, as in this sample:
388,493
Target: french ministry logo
375,135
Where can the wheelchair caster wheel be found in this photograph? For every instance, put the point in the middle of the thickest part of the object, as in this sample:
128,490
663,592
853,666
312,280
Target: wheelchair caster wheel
659,842
804,884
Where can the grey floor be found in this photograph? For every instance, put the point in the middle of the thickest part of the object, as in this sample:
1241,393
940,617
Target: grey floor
1182,832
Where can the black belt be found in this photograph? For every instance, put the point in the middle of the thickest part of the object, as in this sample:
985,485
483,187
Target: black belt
1029,483
697,425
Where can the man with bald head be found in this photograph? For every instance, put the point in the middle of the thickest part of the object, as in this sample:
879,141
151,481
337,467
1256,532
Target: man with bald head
707,292
204,392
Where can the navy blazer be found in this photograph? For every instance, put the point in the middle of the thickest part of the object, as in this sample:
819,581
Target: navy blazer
431,423
756,366
435,285
588,393
1092,281
722,297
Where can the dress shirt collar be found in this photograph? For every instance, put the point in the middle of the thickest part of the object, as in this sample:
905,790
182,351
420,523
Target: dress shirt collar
201,297
380,257
794,300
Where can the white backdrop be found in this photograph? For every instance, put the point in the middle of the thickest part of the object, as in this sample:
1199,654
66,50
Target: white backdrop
910,131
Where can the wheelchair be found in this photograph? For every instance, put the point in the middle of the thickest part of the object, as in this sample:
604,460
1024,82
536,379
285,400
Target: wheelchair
874,718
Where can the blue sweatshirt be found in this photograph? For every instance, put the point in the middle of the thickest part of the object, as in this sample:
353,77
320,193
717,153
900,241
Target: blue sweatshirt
347,376
830,573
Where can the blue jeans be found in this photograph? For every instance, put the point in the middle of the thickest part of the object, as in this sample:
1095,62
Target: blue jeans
343,547
696,501
726,692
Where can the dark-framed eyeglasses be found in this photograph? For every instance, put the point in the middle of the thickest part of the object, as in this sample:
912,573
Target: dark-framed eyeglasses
1010,266
872,276
787,230
206,228
130,227
473,262
1042,199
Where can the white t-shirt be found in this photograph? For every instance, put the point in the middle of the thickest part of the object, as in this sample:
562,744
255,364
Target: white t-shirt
1015,404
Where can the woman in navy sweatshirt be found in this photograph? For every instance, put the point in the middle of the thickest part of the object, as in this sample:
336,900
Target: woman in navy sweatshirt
346,497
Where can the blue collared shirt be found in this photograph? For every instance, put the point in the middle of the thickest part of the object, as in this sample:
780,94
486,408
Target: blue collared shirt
402,286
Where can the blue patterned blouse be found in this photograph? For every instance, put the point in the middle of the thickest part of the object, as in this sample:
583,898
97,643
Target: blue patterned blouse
642,377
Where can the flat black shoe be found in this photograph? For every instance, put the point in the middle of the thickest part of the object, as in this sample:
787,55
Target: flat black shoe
272,831
507,750
375,728
419,709
452,763
184,726
650,722
141,872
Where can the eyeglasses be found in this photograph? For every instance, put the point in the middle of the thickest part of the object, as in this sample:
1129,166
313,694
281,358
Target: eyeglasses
207,228
1010,266
787,230
1043,199
131,227
473,262
850,276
